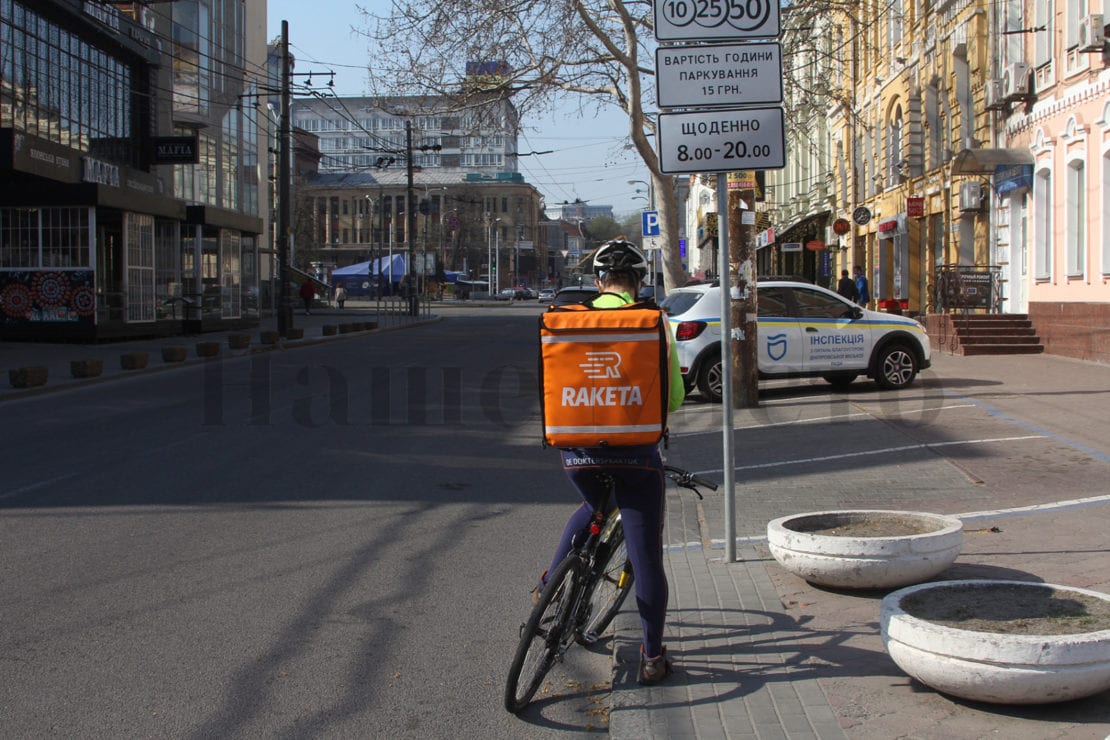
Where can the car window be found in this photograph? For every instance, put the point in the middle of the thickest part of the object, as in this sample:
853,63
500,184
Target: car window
676,304
573,295
814,305
772,302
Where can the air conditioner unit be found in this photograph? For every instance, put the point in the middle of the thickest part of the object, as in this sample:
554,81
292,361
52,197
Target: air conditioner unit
971,196
1092,36
996,99
1015,81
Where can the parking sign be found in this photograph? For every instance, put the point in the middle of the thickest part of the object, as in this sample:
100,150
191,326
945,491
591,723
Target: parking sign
650,222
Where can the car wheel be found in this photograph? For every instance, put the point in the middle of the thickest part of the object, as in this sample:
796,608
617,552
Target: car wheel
895,367
709,378
840,381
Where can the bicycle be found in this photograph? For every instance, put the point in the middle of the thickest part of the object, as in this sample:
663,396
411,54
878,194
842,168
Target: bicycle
582,596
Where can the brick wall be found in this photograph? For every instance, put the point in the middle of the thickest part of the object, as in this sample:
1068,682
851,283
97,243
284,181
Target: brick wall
1080,330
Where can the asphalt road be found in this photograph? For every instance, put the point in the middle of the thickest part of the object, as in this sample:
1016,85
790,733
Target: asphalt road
331,541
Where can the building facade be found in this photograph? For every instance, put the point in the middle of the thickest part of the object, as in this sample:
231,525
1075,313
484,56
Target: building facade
1051,100
101,234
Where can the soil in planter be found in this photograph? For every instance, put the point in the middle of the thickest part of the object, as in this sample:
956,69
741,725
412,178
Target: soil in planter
870,525
1010,609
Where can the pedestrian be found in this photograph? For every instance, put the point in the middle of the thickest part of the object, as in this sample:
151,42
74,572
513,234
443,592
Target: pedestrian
340,296
638,473
307,293
863,290
847,287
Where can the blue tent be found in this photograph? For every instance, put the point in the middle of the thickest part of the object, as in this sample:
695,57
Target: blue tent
356,278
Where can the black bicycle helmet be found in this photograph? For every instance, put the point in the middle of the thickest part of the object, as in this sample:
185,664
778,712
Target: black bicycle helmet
620,256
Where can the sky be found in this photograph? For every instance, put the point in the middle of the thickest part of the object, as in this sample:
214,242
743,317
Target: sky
588,159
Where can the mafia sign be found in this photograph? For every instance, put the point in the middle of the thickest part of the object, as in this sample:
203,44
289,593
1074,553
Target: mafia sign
175,150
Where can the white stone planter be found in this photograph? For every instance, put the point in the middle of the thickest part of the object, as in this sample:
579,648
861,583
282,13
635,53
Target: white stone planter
801,544
997,667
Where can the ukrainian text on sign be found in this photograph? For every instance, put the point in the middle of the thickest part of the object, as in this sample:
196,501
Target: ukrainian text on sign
722,141
735,74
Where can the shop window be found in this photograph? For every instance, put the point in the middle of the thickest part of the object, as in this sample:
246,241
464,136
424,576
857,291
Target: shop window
139,248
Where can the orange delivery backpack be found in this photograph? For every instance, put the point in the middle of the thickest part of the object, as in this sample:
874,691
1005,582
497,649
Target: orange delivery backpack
603,375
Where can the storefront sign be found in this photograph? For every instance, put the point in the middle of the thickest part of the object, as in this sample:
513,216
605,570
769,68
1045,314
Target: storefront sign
1008,178
861,215
792,247
888,227
175,150
815,246
102,173
915,206
841,226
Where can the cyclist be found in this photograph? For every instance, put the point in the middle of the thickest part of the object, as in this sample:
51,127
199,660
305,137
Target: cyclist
619,269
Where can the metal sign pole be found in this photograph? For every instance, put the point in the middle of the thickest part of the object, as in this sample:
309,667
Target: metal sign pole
725,278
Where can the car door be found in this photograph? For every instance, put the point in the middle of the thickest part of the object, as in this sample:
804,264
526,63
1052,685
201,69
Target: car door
780,340
833,335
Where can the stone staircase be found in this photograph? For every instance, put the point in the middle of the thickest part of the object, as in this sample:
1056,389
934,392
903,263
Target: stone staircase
984,334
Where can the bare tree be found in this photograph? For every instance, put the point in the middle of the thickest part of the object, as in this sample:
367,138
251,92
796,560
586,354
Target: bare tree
597,53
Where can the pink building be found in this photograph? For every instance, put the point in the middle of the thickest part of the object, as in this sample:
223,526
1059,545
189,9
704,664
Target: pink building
1052,206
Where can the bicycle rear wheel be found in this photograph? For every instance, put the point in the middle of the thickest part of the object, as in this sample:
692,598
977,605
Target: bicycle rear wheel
544,636
609,590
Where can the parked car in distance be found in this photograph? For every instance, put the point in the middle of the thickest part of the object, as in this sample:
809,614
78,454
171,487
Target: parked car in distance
546,295
573,294
804,331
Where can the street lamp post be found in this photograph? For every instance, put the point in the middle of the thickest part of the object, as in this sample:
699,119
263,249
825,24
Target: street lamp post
490,255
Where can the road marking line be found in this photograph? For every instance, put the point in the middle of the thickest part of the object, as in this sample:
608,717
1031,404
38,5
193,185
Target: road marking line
883,451
830,417
35,486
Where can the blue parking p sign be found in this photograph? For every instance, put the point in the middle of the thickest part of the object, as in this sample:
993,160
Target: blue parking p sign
650,221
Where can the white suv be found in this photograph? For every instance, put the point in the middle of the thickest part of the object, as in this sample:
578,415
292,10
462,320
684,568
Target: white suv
804,330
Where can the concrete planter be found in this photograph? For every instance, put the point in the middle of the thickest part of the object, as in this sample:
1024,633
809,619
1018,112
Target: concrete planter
174,353
27,377
995,666
133,360
238,341
294,332
865,548
86,368
330,330
208,349
346,328
269,337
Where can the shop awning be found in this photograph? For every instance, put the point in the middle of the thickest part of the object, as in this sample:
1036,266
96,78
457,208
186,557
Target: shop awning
985,161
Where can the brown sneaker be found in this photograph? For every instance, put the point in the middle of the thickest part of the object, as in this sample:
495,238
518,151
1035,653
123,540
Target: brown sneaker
654,670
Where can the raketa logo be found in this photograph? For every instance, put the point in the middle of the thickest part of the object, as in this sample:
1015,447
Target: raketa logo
598,366
601,365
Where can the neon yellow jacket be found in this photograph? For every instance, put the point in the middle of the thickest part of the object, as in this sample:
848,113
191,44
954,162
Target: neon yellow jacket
677,389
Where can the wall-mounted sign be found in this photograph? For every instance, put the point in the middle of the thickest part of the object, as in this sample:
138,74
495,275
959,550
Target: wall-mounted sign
861,215
815,246
915,206
841,226
792,247
175,150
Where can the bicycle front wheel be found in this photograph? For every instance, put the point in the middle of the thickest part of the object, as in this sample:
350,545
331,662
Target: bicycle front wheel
544,636
609,591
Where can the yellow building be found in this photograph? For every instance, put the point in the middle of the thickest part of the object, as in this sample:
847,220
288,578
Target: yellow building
907,107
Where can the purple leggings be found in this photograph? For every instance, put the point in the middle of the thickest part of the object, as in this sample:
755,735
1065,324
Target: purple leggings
640,496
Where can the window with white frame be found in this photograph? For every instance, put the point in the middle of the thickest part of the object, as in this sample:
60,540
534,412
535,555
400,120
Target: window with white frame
1042,225
1076,235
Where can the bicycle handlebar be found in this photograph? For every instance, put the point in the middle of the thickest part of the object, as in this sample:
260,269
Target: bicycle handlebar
686,479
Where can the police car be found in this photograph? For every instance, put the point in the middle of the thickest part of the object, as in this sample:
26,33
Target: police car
804,331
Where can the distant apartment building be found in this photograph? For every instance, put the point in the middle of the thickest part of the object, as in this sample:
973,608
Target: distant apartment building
470,207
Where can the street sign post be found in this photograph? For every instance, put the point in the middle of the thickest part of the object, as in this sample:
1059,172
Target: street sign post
726,74
722,140
716,20
649,221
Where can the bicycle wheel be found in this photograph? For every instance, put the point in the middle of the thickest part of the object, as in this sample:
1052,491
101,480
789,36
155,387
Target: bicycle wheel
545,635
614,581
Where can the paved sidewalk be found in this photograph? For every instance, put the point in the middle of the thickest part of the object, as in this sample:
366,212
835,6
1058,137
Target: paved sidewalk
57,356
1012,445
